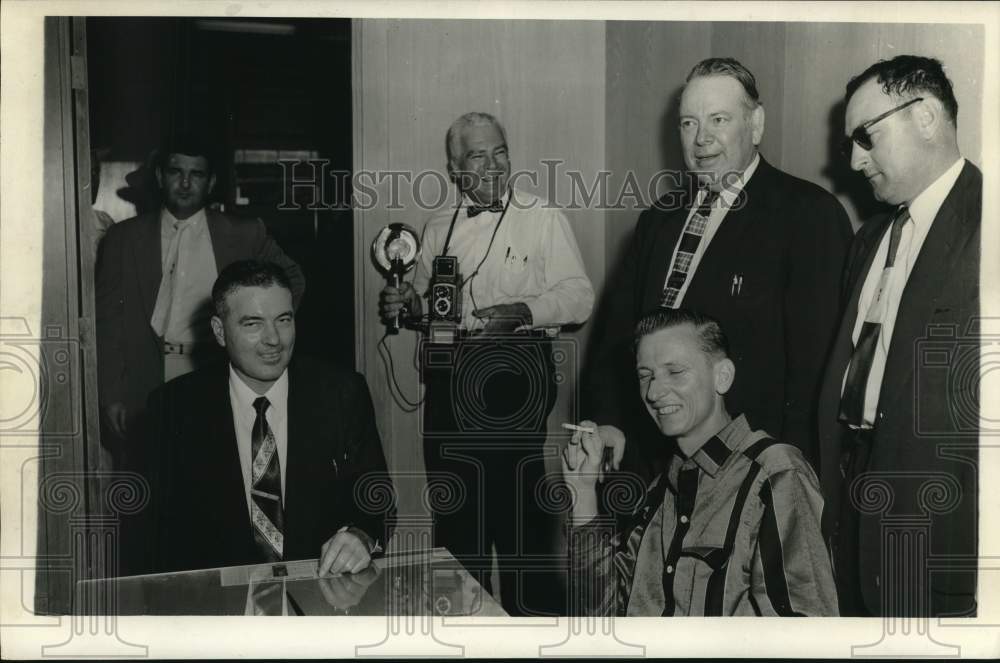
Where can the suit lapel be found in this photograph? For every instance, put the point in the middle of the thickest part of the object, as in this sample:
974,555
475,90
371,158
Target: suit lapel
729,243
146,252
222,447
308,413
223,241
926,286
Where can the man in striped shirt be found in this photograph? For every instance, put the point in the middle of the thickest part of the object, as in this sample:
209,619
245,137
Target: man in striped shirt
733,525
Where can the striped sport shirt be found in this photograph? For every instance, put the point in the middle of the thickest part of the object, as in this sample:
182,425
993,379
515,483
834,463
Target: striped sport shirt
732,530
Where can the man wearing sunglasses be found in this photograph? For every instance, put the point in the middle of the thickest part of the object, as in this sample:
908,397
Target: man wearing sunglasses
898,414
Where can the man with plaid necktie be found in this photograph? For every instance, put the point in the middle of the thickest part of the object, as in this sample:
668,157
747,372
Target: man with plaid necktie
753,247
263,458
898,414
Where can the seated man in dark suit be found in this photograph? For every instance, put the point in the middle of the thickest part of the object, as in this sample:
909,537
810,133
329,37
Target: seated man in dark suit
258,459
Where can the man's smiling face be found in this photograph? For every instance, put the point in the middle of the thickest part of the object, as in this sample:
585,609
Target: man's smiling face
719,132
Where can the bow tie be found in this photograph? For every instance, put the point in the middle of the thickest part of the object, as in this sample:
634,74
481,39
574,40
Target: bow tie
476,210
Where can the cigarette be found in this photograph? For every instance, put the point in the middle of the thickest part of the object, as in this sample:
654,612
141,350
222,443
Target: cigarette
582,429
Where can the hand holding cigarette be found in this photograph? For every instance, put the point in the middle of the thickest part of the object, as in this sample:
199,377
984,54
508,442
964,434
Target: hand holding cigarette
608,440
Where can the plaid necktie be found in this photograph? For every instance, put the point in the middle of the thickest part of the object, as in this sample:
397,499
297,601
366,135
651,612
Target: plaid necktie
852,402
266,510
687,246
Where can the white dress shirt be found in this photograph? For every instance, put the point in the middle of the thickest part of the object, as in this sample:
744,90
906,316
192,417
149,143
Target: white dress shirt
727,196
241,398
534,259
923,209
190,307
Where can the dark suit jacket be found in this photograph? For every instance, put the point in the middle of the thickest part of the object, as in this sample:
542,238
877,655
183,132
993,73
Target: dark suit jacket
787,238
198,514
927,416
129,268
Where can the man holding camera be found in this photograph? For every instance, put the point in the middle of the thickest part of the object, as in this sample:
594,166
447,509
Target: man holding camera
512,275
893,417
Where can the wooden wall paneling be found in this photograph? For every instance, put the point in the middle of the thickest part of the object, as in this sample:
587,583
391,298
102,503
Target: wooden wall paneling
98,460
960,48
821,57
761,48
370,46
647,64
61,480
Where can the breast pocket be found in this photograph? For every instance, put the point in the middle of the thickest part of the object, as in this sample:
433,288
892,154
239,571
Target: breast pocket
514,274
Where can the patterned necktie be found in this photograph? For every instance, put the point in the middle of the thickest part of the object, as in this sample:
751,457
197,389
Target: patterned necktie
852,402
686,249
165,295
476,210
266,510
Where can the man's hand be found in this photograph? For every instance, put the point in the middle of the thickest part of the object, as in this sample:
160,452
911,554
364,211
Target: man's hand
504,318
346,591
392,300
116,417
344,552
582,461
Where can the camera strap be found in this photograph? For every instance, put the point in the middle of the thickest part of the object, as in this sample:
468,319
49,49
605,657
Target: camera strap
468,279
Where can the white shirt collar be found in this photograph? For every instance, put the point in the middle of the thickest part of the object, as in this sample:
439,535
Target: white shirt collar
466,200
168,220
730,193
244,396
925,206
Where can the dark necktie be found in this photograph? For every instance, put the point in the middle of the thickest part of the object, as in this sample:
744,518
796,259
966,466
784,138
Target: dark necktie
687,246
476,210
266,510
852,402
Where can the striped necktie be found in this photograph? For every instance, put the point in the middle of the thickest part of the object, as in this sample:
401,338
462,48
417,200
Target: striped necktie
266,510
852,402
687,247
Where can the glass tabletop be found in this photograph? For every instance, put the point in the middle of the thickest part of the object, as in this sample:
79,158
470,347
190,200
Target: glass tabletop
427,582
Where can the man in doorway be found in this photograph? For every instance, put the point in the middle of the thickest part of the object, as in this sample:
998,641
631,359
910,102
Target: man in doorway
258,459
154,281
484,418
732,527
891,410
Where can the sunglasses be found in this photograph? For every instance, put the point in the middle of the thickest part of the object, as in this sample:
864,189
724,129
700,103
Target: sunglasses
861,135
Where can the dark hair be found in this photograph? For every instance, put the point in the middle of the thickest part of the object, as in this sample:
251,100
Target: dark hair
906,75
713,340
246,274
728,67
193,144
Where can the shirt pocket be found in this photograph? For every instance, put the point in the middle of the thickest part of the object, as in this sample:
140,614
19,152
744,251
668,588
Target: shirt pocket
514,273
